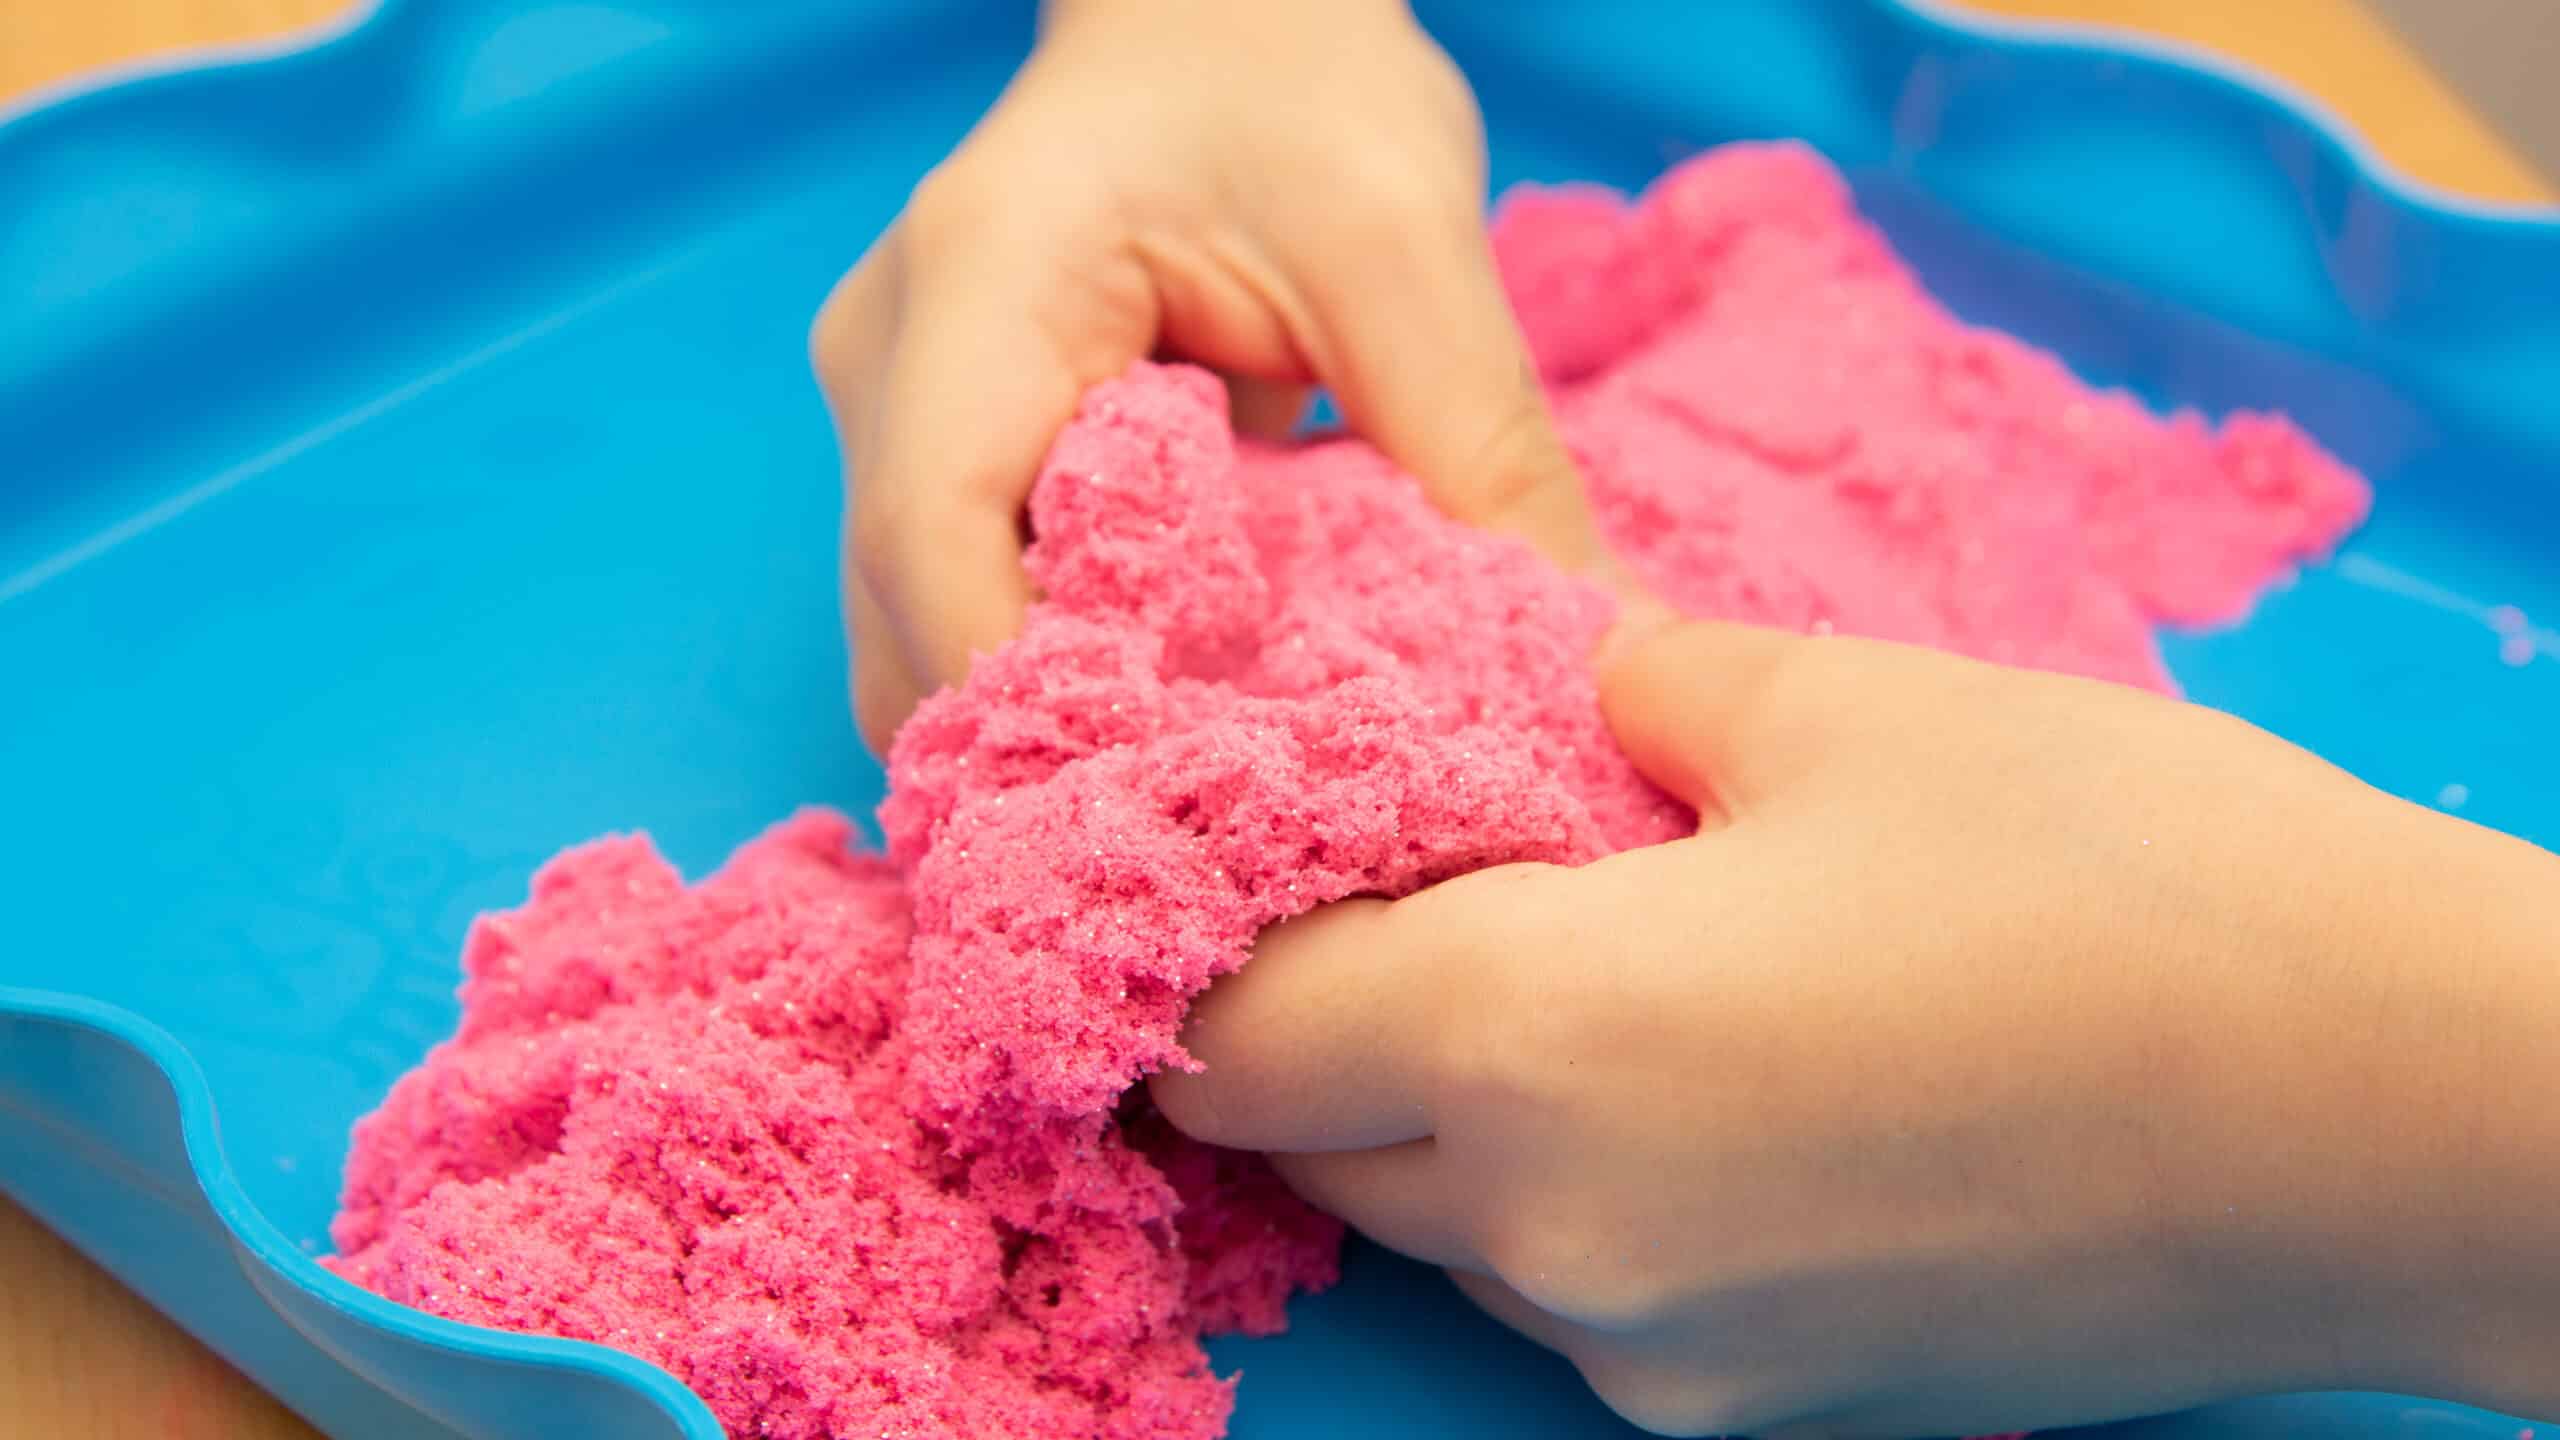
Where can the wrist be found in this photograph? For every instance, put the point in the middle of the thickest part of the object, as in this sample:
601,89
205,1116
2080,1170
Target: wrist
2488,1228
2410,1138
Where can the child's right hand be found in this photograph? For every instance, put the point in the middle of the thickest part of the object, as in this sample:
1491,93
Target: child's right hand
2008,1050
1291,194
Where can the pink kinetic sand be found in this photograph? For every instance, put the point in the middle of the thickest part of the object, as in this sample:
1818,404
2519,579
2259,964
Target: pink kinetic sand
842,1142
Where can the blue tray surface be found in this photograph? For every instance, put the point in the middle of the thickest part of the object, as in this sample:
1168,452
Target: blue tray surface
408,467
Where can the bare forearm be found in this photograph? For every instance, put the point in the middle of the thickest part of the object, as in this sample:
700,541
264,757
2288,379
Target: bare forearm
2448,1121
2499,1309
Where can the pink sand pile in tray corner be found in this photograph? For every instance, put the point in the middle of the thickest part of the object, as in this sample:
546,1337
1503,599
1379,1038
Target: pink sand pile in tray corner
841,1141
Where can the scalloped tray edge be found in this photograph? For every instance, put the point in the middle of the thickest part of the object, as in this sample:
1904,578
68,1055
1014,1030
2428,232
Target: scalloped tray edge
261,61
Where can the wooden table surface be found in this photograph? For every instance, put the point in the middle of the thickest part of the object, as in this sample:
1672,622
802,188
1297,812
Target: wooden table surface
81,1356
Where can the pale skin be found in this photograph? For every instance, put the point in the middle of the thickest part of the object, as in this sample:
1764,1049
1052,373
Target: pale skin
1289,194
2005,1051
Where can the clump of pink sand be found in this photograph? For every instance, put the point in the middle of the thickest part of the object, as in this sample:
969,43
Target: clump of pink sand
845,1143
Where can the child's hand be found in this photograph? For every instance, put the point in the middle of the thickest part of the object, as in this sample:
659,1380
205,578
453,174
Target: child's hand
1288,193
2007,1051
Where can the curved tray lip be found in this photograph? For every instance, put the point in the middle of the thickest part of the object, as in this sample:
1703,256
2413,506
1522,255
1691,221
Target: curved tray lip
253,1231
61,99
96,87
67,102
2279,96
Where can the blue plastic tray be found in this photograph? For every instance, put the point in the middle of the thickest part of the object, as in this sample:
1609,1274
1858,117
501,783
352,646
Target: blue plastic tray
407,467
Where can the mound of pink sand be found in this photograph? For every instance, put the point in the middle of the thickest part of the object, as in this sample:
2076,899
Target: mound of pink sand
844,1142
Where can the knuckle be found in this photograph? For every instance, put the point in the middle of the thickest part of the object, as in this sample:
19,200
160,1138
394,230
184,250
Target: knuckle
1444,85
1388,206
951,203
871,539
1569,1266
852,325
825,330
1662,1402
1789,680
1521,1024
880,695
1478,928
877,714
1520,467
1783,694
1441,84
1535,1257
832,337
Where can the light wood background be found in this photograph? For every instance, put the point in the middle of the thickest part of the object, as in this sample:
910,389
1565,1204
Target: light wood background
80,1356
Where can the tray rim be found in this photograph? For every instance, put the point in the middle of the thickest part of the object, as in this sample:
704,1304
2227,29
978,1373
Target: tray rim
103,84
2307,110
200,1132
75,101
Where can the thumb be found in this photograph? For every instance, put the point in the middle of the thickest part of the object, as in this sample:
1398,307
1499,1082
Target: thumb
1710,711
1420,347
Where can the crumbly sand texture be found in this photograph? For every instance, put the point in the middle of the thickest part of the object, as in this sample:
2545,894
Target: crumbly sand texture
849,1145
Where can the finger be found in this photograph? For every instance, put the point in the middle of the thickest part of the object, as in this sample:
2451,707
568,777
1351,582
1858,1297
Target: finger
849,339
1000,329
940,487
1517,1312
1422,351
1221,303
884,693
1264,409
848,345
1664,1398
1322,1041
1401,1196
1701,709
